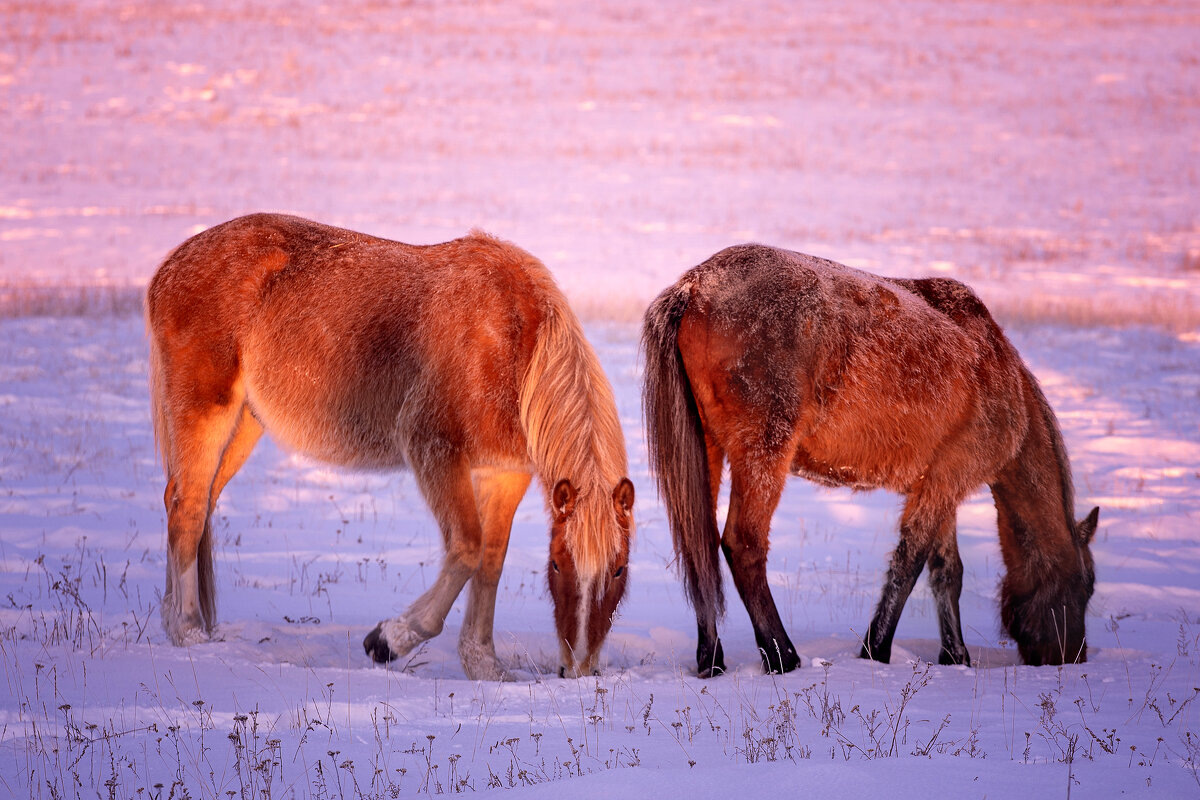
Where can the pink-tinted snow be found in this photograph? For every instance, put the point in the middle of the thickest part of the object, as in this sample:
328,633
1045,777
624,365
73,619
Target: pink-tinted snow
1046,153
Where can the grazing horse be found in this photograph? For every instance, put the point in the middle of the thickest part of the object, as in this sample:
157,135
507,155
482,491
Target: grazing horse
461,361
782,363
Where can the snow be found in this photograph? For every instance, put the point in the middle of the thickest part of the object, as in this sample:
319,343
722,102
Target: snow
1044,153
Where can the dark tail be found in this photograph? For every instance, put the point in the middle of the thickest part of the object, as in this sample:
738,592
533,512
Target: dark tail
678,457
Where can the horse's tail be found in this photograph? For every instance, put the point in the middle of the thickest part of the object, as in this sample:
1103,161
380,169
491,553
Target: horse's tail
569,417
678,457
158,416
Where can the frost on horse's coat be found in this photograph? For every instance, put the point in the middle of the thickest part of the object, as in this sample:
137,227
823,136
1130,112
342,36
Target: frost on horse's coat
461,361
778,362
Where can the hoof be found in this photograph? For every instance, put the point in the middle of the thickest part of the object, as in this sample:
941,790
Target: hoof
479,662
780,661
498,674
948,659
184,630
783,667
188,636
377,648
710,664
394,638
876,655
193,636
563,672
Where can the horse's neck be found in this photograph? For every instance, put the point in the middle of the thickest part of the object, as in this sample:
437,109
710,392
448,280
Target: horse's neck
1032,496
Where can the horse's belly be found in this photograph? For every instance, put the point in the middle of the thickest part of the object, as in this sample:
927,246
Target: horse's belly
828,473
860,462
377,419
328,436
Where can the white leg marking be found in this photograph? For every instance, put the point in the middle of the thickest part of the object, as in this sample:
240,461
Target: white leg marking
480,663
181,609
401,636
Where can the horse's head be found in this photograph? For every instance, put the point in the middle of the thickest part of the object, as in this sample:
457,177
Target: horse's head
586,595
1047,621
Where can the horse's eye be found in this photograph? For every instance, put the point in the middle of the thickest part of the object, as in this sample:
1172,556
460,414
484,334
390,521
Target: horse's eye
554,565
620,571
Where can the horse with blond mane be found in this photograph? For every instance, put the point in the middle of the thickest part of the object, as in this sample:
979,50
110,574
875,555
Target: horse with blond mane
778,362
460,361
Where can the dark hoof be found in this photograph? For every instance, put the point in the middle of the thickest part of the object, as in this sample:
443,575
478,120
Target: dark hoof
376,646
947,659
710,665
562,673
781,662
882,658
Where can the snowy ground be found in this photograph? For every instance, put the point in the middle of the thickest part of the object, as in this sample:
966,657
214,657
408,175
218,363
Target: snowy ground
1044,153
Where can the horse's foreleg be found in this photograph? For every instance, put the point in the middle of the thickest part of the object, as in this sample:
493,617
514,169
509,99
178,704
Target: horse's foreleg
917,535
945,582
446,485
752,502
498,494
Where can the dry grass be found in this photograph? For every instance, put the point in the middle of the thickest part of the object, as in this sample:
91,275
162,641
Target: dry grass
1176,313
19,299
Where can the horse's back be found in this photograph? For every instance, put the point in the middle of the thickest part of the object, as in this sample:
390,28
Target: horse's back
864,380
347,345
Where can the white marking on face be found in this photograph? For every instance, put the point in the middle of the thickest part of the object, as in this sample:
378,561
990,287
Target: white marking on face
586,600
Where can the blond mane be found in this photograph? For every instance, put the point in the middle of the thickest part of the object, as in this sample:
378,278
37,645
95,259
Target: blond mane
571,424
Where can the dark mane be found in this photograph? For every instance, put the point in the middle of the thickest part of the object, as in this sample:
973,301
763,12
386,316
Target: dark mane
1060,449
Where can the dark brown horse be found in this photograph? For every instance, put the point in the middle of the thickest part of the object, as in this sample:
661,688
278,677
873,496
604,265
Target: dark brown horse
460,360
782,363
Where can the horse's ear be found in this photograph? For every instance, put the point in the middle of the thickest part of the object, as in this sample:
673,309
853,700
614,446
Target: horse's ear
623,503
1085,529
562,501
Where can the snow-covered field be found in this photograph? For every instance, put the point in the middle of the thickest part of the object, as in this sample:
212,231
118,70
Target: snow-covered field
1044,153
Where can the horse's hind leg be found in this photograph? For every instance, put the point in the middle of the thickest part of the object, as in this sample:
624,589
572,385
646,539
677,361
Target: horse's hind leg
754,494
245,437
200,437
945,582
498,495
446,484
918,532
710,657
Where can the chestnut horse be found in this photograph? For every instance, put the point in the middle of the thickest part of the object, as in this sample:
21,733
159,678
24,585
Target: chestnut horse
779,362
461,361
